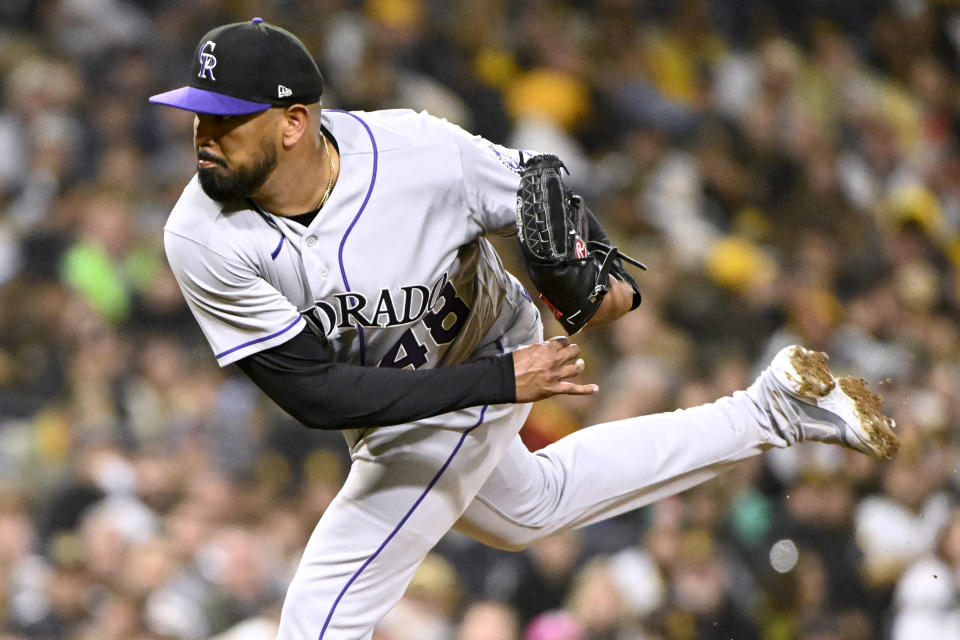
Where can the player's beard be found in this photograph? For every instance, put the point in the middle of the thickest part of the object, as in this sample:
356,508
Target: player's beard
224,185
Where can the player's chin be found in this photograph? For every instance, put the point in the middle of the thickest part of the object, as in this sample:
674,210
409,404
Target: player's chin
220,185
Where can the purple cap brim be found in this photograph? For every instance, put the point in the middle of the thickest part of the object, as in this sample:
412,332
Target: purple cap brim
203,101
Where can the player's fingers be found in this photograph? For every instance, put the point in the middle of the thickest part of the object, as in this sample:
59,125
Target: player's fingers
569,353
559,341
571,389
564,354
572,369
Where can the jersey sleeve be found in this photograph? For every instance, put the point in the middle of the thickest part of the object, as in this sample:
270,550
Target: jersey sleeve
491,175
239,312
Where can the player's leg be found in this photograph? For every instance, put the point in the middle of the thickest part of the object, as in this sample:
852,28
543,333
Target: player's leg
611,468
405,489
608,469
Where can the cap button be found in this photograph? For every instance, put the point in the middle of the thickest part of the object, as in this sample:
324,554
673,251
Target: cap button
257,20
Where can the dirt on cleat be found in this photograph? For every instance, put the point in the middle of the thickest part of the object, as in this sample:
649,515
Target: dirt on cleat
815,380
869,407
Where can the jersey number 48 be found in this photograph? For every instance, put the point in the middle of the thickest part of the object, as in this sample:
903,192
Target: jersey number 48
443,324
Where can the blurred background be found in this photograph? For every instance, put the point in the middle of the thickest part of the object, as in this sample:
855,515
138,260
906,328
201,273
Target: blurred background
788,170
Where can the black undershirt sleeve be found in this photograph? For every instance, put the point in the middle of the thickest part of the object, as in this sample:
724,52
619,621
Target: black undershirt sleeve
301,378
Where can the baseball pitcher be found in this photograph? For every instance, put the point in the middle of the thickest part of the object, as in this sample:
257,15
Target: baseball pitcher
340,260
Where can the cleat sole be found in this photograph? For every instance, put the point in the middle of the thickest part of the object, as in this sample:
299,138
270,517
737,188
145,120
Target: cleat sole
877,428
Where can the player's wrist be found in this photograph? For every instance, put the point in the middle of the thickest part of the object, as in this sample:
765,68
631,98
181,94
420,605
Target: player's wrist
616,303
508,377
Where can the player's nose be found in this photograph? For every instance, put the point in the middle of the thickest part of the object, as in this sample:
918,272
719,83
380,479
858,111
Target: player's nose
205,129
201,129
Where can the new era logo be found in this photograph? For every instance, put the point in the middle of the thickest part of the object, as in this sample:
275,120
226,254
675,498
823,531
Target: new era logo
283,92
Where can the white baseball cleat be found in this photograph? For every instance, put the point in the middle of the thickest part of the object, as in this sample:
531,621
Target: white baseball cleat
834,410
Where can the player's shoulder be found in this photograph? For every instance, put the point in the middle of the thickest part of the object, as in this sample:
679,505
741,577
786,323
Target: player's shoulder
399,128
197,219
194,214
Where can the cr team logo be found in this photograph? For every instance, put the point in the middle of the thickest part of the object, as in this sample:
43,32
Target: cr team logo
207,60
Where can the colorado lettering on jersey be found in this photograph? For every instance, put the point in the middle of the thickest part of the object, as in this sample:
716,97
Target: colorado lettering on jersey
437,305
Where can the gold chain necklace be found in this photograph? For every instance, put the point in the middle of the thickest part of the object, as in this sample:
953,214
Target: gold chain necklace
326,194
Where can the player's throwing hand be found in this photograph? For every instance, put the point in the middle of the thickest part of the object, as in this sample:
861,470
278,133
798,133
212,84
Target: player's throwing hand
542,370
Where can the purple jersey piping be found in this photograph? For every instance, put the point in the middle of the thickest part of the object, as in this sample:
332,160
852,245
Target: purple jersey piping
264,338
271,222
276,252
400,524
363,206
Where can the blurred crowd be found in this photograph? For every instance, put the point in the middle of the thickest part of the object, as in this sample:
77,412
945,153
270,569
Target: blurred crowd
789,171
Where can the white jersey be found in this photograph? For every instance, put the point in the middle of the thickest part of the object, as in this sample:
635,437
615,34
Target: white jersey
394,270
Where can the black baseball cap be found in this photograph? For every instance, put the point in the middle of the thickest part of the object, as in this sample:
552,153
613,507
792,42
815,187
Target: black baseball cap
247,67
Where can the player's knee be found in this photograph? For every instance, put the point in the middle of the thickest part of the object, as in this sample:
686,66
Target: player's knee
508,545
512,545
512,541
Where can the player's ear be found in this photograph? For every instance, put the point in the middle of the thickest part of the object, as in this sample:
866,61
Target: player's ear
295,124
